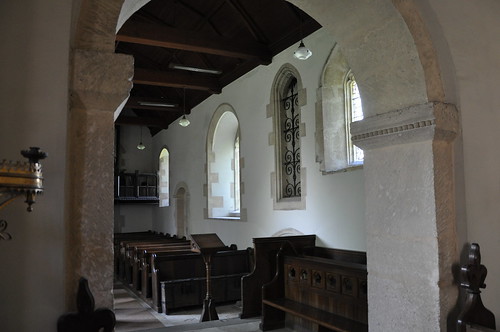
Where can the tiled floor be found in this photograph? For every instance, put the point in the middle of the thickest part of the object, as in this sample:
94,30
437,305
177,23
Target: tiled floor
132,314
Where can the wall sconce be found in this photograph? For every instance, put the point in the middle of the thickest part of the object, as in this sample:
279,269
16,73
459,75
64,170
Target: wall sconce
20,178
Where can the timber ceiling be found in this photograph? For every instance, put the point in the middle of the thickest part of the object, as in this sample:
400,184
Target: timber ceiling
230,37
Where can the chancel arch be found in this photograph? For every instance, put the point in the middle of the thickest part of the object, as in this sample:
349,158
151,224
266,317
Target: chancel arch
397,70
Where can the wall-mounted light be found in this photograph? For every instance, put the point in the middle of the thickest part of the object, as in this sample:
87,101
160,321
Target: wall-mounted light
20,178
141,146
184,121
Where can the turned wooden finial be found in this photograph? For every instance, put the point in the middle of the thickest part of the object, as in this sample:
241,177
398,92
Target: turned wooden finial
473,275
86,319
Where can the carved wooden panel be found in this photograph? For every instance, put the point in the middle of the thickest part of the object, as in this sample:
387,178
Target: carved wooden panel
318,279
329,285
333,282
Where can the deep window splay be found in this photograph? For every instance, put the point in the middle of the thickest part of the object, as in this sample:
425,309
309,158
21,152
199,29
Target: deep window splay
354,111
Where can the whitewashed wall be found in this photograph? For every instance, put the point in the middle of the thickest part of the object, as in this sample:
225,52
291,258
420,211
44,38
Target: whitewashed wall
335,203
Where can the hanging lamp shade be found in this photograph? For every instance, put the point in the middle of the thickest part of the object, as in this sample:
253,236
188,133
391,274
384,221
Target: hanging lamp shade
302,53
184,121
141,146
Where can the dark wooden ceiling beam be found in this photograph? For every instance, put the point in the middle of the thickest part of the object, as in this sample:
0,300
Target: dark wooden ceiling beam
175,79
294,36
142,121
207,19
248,21
163,36
203,17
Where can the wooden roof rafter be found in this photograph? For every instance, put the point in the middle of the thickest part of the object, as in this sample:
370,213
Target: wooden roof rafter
175,79
162,36
231,37
249,22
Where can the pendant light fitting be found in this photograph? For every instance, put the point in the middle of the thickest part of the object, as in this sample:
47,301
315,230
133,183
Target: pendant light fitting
184,122
302,53
141,146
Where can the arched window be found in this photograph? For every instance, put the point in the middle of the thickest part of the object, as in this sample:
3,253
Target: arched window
339,104
223,165
290,142
287,99
354,112
163,178
237,176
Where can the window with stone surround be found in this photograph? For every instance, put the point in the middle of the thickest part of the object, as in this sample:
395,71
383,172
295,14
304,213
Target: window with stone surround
163,178
237,176
223,165
353,112
338,105
287,99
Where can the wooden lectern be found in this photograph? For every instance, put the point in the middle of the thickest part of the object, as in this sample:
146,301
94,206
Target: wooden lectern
207,245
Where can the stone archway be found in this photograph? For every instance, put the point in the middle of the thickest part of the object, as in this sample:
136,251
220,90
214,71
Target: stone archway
407,136
100,82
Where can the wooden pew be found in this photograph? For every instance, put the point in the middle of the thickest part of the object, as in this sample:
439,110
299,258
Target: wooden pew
133,258
317,293
264,269
145,270
127,253
180,280
172,267
119,250
141,256
118,237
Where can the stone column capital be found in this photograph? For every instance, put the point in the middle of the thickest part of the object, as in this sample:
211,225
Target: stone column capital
100,80
429,121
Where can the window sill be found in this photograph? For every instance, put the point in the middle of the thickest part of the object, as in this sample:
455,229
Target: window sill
225,218
343,170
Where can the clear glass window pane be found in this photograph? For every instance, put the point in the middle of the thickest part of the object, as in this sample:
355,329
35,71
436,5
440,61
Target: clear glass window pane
355,113
237,175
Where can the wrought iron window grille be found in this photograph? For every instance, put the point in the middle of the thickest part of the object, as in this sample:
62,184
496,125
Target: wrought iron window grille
290,127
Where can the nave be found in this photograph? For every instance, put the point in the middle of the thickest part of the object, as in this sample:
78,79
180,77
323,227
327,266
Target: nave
133,314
